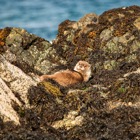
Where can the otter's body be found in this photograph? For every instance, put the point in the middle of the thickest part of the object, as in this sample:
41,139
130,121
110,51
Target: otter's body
81,73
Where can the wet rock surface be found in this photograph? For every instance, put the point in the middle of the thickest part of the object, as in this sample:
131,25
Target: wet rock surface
107,107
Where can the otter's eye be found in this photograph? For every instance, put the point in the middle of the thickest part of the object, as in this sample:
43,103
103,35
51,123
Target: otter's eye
84,66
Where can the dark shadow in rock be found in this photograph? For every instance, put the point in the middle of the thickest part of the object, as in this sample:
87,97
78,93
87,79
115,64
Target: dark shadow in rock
127,67
1,124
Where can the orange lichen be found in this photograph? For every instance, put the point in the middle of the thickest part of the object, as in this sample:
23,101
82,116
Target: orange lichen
3,34
92,34
2,43
118,33
75,51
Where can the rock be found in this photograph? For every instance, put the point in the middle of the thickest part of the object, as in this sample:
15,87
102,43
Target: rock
29,52
69,121
16,79
106,107
7,99
71,37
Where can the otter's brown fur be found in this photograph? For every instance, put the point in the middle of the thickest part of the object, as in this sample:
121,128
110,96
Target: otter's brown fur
82,72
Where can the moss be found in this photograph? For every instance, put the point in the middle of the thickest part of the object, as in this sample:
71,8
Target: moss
21,112
122,90
53,89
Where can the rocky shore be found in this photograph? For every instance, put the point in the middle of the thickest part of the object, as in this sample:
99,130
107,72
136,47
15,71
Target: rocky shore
107,107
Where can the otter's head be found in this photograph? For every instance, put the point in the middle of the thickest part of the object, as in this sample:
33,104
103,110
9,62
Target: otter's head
84,68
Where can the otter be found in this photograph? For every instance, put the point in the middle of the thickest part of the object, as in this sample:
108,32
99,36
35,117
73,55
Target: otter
65,78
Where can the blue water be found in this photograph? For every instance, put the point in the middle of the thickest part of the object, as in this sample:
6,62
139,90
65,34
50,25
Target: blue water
42,17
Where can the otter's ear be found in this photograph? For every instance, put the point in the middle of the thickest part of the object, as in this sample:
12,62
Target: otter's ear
80,61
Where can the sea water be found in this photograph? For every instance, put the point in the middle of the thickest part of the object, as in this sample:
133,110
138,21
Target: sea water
42,17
